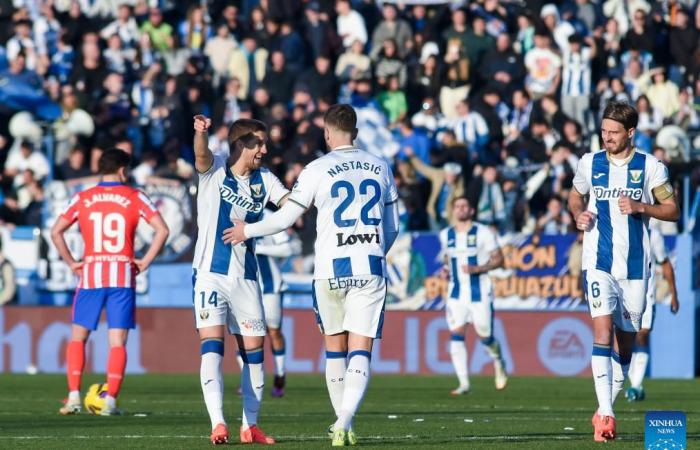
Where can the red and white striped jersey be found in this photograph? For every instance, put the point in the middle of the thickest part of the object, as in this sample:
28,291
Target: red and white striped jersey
108,215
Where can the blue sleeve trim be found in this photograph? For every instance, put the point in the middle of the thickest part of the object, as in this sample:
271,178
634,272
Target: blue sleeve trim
364,353
336,355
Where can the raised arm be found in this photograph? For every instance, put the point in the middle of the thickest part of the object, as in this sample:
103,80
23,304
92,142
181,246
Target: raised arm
203,157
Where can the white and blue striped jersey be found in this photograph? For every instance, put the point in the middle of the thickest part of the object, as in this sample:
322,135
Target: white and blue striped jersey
576,73
267,250
619,244
223,196
468,248
350,188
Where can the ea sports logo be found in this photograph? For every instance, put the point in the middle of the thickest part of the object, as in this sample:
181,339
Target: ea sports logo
564,346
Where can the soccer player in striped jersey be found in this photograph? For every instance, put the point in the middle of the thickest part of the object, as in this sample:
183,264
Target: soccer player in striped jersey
225,277
615,193
357,224
107,215
269,248
470,251
640,354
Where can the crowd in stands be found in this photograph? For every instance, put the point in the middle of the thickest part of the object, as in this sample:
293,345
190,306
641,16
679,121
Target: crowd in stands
494,99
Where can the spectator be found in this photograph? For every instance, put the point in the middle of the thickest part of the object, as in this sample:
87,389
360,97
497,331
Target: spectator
123,26
74,166
30,199
319,80
478,42
393,101
194,31
8,284
525,38
145,170
320,36
429,118
159,31
486,194
219,50
117,58
587,14
543,66
650,119
414,142
471,129
456,78
560,29
683,42
663,93
22,43
248,65
640,36
279,81
551,112
26,158
576,79
389,63
688,115
446,183
519,117
424,80
353,63
458,29
501,67
622,10
392,27
556,220
350,24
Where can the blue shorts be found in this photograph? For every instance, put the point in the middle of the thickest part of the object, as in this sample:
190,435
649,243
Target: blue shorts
120,304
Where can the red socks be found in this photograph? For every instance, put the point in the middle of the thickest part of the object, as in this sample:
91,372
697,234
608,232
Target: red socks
75,359
115,370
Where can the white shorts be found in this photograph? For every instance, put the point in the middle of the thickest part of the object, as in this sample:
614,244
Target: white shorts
625,300
650,308
461,312
354,304
272,304
234,302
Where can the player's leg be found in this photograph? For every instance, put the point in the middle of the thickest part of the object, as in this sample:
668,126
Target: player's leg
211,310
483,315
628,321
120,306
328,302
459,357
458,315
364,318
273,318
87,306
638,366
247,323
602,299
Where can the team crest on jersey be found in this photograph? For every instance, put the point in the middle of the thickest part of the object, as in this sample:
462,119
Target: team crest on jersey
256,190
596,303
471,240
204,315
636,176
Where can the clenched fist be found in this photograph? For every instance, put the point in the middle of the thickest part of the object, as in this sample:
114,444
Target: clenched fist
201,123
584,221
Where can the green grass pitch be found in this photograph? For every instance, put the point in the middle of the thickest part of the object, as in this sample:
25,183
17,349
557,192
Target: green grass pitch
167,411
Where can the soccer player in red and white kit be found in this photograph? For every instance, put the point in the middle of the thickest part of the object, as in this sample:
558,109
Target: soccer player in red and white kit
107,215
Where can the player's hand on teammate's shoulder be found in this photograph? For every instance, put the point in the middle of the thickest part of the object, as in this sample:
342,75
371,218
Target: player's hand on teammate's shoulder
77,267
627,205
234,235
201,123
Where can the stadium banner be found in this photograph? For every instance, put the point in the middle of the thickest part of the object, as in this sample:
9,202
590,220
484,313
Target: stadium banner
533,343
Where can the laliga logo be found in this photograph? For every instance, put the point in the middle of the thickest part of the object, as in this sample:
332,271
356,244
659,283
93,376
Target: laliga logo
564,346
602,193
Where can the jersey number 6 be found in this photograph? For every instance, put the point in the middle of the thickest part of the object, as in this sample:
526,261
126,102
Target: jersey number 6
350,196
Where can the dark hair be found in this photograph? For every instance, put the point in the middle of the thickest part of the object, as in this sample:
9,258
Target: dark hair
623,113
461,197
244,128
112,160
342,117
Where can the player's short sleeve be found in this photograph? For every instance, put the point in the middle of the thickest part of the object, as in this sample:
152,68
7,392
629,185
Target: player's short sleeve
275,188
442,237
70,213
489,239
147,209
218,161
392,194
583,169
304,190
658,181
658,248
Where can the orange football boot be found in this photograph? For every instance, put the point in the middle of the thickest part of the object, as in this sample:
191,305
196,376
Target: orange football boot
254,435
219,434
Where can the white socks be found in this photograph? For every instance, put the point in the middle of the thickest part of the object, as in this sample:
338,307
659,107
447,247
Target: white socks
601,366
335,378
620,368
638,367
74,396
110,402
279,361
458,353
252,384
356,381
212,379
